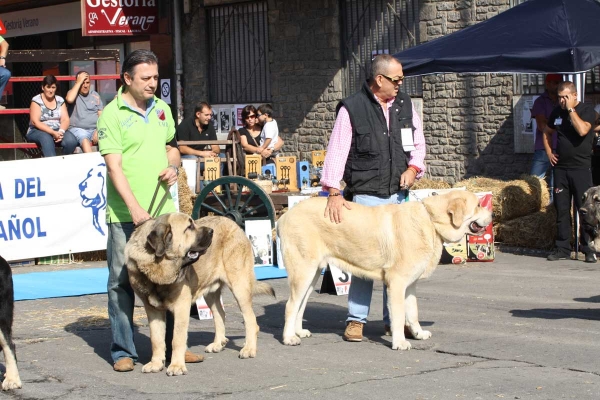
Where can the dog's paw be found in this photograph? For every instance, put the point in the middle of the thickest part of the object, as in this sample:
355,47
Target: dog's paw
247,352
215,347
292,341
153,366
422,335
304,333
10,384
401,345
176,369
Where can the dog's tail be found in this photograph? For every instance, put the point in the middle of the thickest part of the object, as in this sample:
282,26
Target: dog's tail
261,288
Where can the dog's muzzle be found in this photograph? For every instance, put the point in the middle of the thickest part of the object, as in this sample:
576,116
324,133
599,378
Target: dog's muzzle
475,228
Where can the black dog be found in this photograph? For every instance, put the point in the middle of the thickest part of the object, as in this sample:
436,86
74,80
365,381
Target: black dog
7,303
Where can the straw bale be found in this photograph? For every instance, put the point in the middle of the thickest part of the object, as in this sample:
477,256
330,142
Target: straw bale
425,183
511,199
186,205
537,230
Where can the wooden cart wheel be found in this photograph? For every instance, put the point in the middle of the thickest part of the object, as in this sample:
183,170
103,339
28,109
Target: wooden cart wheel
250,204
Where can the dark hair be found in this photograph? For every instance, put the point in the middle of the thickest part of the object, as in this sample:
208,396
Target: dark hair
136,57
81,72
246,111
266,109
201,106
49,80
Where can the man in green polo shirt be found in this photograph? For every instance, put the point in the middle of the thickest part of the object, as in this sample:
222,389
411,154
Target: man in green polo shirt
136,136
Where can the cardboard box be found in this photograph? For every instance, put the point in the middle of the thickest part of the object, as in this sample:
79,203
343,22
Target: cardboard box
481,248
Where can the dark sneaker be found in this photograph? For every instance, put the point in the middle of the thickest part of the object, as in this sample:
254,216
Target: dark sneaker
591,258
353,332
558,254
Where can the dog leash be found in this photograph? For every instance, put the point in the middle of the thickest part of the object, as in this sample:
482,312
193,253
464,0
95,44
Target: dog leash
162,201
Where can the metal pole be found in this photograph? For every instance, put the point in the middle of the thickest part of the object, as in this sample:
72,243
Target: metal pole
178,59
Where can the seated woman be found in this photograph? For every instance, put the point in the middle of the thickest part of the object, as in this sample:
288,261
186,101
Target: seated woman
250,132
250,136
49,121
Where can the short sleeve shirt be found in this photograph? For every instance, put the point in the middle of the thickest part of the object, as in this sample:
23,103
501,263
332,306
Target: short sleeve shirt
574,151
84,112
188,131
141,141
49,116
543,105
270,131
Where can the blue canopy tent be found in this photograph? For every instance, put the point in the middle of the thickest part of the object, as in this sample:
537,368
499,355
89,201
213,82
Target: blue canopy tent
537,36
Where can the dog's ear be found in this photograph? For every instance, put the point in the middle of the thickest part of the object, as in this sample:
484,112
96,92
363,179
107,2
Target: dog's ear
456,209
160,239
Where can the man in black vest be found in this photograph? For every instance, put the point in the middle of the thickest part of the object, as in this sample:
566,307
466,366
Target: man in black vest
573,121
377,147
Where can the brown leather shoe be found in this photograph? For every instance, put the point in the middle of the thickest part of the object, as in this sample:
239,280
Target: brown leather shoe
191,358
123,365
387,330
353,332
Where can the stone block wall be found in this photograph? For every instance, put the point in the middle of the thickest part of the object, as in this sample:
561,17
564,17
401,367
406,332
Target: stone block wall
467,118
304,49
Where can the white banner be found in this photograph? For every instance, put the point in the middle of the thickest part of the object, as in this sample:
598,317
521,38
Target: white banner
51,206
35,21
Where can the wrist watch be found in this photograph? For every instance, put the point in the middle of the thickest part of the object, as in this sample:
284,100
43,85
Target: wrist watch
2,58
571,110
175,168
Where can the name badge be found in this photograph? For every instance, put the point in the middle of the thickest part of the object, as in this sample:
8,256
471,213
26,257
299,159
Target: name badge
407,139
558,121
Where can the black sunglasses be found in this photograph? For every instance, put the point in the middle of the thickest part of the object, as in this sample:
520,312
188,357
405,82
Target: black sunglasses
393,80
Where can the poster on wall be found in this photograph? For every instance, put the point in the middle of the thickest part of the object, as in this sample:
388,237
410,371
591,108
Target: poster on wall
224,119
165,90
239,122
524,123
104,18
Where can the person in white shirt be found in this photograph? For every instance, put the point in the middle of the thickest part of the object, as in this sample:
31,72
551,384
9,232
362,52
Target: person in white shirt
270,142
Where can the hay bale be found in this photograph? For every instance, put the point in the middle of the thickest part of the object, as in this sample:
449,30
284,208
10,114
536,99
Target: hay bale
186,205
425,183
511,199
537,230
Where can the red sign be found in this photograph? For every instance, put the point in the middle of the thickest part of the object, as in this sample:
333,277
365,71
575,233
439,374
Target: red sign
2,28
118,17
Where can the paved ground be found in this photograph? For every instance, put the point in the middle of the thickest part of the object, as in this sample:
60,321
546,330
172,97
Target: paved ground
518,328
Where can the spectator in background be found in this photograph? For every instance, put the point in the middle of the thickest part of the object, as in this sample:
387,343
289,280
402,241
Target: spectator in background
542,107
573,121
270,142
250,132
198,127
4,72
85,106
49,121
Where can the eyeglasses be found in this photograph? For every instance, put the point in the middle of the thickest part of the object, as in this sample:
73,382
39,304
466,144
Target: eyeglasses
251,116
259,115
395,80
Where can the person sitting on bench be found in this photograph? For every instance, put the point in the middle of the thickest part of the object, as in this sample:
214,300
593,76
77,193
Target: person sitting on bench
49,121
85,106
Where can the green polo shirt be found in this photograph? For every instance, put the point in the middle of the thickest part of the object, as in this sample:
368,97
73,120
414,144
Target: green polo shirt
141,141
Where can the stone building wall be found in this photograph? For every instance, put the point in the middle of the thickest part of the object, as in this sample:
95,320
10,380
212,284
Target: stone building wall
467,118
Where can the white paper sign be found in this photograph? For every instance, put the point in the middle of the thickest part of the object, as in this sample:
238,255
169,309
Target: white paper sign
341,280
165,90
203,309
51,206
259,233
407,139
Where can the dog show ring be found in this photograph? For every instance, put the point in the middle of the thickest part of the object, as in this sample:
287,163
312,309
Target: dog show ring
240,199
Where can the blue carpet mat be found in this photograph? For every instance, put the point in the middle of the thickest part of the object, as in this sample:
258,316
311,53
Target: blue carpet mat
79,282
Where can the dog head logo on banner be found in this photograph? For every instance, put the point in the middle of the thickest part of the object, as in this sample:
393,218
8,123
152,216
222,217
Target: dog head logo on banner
92,191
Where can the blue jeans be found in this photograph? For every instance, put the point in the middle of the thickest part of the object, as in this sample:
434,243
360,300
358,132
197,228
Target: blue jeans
4,77
121,298
46,142
540,165
361,290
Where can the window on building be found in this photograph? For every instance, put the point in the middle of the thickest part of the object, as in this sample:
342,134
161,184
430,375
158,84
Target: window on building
371,27
238,48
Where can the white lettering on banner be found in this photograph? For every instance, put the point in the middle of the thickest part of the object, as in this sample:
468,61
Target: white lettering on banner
143,22
121,3
45,213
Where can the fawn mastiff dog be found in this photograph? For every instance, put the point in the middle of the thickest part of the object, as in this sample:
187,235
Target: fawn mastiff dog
397,243
172,261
